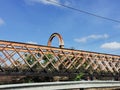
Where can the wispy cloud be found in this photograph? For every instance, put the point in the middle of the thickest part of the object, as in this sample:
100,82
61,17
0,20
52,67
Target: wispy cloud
67,3
47,2
117,26
31,42
2,22
111,45
85,39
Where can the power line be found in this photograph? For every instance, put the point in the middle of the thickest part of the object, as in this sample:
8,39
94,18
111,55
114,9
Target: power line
85,12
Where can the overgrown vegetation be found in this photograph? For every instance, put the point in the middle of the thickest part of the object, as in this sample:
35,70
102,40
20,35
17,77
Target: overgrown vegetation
79,76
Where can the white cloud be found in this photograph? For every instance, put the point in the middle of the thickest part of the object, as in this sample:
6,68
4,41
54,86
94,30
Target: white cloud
31,42
43,2
67,3
47,2
85,39
2,22
111,45
117,26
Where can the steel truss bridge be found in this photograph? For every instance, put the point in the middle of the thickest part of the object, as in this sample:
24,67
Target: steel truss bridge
23,59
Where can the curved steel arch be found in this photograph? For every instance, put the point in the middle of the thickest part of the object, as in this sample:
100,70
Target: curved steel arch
61,42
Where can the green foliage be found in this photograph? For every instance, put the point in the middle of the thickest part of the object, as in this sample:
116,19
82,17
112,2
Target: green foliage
30,59
79,76
46,57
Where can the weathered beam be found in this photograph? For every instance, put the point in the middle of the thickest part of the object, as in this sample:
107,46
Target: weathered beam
12,52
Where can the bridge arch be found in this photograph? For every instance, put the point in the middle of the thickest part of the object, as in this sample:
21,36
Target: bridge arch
61,42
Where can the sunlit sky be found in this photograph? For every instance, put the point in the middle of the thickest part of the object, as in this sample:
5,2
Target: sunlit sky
33,21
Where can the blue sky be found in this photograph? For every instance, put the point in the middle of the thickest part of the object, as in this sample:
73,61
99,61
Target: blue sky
33,21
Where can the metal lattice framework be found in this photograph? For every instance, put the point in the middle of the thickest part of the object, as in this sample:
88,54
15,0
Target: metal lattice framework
22,57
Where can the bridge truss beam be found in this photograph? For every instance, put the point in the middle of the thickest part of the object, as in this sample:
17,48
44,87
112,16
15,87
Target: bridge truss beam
22,57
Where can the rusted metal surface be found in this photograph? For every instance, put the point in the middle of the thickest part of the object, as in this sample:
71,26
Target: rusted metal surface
61,42
21,57
13,55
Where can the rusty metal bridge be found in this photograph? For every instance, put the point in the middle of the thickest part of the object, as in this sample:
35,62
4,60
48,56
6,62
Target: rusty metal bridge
22,58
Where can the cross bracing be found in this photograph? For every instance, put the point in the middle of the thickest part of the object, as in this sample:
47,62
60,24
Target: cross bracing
23,57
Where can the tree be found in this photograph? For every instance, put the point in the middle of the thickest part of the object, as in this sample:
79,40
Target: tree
31,60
